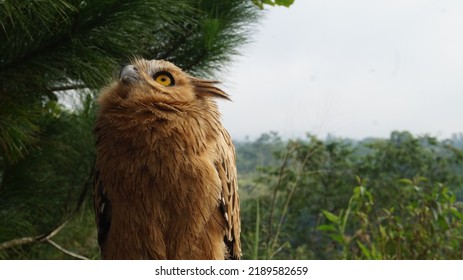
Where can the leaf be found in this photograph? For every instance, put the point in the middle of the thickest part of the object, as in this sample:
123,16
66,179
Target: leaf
331,217
442,222
285,3
406,181
382,231
364,249
358,191
457,213
326,228
338,238
260,3
453,198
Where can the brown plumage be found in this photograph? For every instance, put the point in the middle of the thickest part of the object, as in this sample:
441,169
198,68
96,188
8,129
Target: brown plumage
165,180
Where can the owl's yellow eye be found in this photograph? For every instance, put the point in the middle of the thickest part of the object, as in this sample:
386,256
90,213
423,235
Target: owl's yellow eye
164,78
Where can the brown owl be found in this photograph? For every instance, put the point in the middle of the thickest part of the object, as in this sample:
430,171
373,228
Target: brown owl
165,179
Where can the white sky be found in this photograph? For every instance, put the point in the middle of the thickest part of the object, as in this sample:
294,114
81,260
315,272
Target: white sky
353,68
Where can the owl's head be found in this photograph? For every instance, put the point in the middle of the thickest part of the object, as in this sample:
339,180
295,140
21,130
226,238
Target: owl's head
157,88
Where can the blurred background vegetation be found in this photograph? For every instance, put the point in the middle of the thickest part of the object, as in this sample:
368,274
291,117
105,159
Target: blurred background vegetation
396,198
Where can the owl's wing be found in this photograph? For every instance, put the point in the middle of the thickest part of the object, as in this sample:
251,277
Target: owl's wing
230,203
102,207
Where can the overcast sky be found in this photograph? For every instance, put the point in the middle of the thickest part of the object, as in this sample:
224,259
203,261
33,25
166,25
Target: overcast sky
356,68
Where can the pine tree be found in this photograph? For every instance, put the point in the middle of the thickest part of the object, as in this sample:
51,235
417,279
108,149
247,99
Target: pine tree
52,50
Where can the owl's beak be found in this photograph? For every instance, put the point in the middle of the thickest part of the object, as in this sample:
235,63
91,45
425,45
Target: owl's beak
128,74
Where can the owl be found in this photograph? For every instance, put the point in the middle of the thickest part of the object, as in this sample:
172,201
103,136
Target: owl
165,176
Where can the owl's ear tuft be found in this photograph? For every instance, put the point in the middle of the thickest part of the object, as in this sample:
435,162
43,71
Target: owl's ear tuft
207,88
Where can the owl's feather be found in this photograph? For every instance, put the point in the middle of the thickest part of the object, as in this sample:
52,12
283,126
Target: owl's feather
166,182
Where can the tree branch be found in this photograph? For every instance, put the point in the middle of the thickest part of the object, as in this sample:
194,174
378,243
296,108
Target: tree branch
42,238
190,31
72,254
289,151
47,236
19,241
33,239
69,87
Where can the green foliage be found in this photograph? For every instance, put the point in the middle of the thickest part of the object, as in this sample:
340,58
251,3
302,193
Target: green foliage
258,153
52,50
251,159
261,3
41,190
309,175
306,208
51,46
428,224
